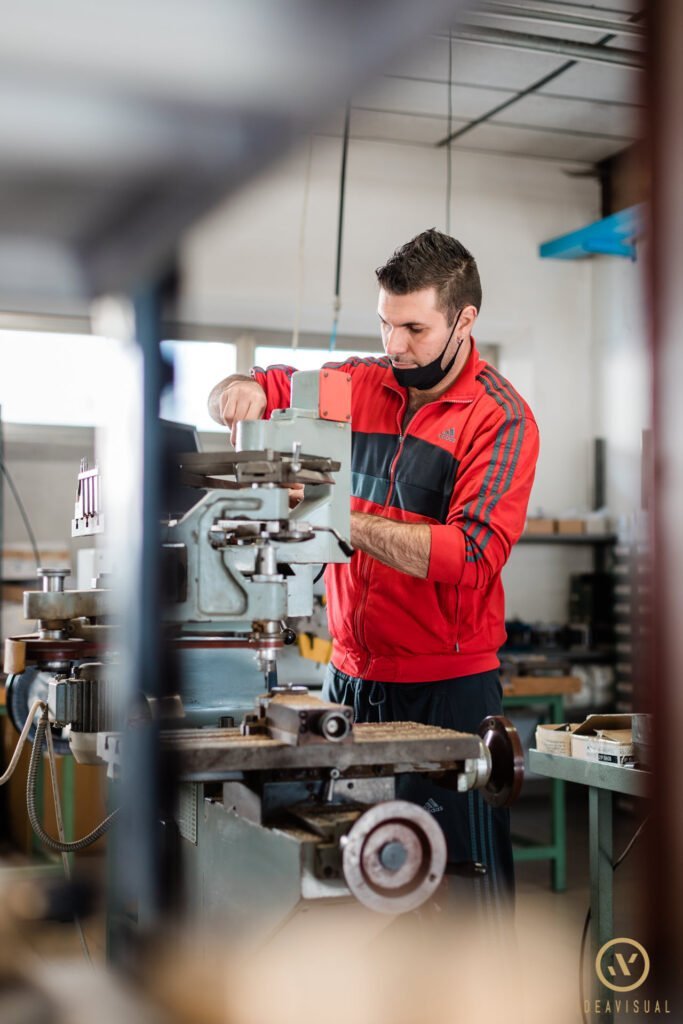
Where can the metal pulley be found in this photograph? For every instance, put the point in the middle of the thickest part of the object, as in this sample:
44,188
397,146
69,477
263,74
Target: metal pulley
394,857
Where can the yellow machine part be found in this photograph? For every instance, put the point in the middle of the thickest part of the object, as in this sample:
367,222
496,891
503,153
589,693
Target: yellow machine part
316,648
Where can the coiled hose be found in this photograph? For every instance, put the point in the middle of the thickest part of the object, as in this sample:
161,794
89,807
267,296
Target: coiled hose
54,844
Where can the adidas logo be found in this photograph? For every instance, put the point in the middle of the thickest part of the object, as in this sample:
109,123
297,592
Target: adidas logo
432,806
447,435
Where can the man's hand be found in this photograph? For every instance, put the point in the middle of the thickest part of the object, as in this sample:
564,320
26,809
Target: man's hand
403,546
296,495
237,398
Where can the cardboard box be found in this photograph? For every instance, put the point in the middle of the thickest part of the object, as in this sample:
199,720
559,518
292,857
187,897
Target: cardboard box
605,738
539,526
555,739
571,527
612,747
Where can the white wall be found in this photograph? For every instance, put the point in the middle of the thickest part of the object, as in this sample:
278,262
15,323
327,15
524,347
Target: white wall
570,333
241,266
622,374
44,463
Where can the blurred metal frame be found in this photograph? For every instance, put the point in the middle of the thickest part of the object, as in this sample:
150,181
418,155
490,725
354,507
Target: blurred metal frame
663,887
123,124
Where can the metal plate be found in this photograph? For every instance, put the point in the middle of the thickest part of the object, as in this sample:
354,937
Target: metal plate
406,746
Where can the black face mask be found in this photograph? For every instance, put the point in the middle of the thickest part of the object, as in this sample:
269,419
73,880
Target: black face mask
425,377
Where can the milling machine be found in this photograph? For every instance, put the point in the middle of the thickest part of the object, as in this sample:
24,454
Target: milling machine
289,804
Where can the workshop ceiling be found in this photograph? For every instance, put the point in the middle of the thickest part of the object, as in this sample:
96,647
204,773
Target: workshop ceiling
508,97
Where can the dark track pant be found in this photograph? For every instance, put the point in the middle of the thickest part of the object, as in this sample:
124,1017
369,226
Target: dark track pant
475,832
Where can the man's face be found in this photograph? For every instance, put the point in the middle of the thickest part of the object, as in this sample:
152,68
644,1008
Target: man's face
414,331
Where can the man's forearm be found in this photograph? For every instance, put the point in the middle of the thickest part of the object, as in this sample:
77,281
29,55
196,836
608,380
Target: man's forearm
403,546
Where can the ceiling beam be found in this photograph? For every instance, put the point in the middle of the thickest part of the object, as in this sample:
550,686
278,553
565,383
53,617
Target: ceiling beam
624,28
525,41
579,133
509,89
484,150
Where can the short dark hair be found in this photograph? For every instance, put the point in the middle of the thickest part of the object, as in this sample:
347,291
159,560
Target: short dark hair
434,260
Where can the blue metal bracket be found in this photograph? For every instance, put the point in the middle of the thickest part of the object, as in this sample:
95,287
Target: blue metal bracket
613,236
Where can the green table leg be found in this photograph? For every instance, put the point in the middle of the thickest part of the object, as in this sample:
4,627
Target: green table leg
556,851
559,836
601,874
559,812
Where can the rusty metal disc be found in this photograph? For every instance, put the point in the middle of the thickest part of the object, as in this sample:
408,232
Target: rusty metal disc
394,857
66,649
507,761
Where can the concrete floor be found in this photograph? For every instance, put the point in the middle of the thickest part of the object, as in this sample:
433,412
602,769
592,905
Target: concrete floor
548,924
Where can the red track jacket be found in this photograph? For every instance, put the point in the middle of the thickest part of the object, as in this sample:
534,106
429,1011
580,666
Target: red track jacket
464,465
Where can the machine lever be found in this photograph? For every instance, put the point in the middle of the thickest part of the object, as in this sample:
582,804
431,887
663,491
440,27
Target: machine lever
343,544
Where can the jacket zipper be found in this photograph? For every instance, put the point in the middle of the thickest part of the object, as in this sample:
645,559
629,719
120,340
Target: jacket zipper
358,614
457,619
401,441
365,574
364,570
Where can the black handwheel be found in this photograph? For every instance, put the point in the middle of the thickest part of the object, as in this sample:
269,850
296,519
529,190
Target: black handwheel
507,761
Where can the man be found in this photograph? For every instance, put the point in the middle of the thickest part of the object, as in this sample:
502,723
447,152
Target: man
444,453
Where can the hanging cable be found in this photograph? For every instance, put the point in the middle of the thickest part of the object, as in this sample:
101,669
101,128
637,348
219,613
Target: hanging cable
340,230
38,705
302,247
587,920
22,512
449,155
54,844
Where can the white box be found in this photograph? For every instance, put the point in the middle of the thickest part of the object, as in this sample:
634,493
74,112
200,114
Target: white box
604,738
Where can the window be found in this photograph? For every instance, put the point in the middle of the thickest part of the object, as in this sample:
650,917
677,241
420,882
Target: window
197,366
73,379
304,358
58,379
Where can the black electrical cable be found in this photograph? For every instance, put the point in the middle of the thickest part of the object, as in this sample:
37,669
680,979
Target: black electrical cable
54,844
340,227
586,923
22,512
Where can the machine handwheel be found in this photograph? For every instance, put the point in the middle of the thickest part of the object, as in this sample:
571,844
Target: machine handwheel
507,761
394,857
